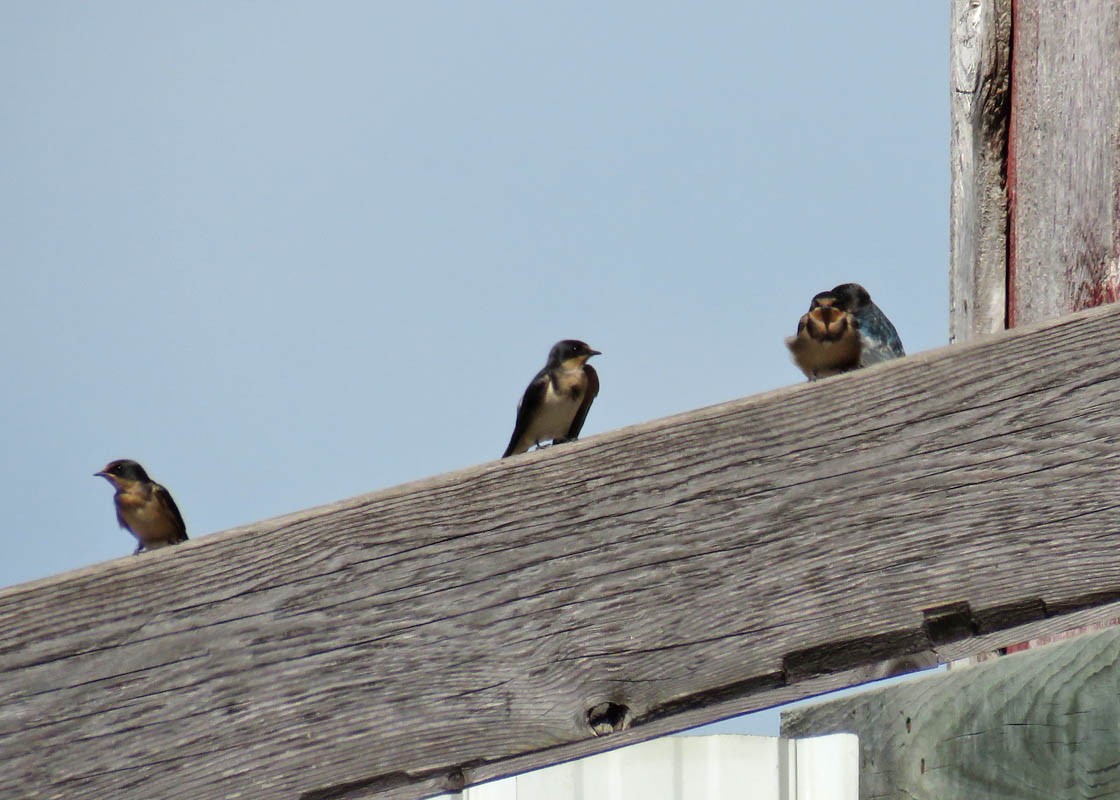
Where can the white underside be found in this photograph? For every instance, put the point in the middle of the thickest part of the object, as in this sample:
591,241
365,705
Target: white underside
554,418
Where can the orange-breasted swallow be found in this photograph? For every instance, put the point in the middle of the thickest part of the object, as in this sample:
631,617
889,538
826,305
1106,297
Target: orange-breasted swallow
144,507
827,342
557,400
832,318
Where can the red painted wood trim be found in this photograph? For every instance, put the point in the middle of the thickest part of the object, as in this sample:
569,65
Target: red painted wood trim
1009,318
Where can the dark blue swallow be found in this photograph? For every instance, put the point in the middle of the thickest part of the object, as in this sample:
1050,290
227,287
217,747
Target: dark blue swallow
144,508
878,339
557,400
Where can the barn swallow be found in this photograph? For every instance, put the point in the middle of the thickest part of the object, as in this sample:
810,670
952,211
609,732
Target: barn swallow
827,342
144,507
878,339
842,331
556,402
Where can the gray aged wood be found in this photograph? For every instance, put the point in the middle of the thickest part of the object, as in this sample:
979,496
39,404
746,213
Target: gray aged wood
401,643
1037,725
980,59
1065,139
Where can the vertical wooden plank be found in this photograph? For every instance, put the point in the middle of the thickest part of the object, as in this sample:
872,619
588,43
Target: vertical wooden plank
1065,151
979,56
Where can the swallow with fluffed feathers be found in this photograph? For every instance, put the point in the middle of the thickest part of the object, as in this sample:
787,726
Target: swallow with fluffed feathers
144,508
827,342
843,330
557,400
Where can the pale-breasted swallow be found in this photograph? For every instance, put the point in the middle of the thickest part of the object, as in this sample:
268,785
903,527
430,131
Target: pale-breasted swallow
878,339
144,508
827,342
556,402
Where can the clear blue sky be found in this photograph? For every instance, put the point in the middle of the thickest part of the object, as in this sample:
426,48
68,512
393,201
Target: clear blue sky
285,253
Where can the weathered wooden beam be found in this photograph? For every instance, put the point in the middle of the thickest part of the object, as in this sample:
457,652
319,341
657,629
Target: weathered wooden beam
1064,158
980,103
1037,725
458,629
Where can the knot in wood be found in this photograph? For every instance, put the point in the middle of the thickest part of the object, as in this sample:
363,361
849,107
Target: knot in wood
607,718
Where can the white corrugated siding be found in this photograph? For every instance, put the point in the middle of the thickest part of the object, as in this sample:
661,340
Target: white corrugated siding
723,767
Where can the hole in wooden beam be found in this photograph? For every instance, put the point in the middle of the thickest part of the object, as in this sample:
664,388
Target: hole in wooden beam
951,622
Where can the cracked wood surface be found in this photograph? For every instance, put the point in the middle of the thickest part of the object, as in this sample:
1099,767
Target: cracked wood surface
457,629
1037,725
979,111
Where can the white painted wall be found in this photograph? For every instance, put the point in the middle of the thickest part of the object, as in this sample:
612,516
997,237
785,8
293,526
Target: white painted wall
722,767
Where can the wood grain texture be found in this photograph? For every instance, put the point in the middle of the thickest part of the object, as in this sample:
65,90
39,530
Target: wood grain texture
1037,725
401,643
980,85
1066,158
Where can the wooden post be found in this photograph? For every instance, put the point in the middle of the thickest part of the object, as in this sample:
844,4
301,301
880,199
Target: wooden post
1038,725
1065,158
1035,219
481,623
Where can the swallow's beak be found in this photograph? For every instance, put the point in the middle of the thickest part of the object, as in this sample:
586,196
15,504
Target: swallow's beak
594,353
101,474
